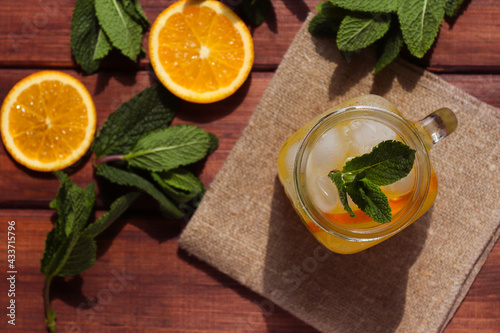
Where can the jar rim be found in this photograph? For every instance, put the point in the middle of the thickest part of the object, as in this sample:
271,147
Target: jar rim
404,216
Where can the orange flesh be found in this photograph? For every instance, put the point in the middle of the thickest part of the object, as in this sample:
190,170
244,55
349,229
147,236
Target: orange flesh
200,49
48,121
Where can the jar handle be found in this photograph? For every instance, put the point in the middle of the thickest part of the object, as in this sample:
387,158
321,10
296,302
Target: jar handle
439,124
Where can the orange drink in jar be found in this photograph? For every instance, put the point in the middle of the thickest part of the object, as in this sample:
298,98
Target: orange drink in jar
340,134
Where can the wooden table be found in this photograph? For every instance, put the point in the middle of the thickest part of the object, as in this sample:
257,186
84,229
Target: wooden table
141,280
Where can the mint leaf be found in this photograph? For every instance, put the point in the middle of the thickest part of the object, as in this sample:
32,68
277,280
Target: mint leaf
57,250
328,9
452,7
327,22
170,148
214,143
179,184
82,256
74,206
123,31
134,10
321,26
151,109
336,178
370,199
255,10
84,36
384,6
103,46
117,208
420,21
142,16
387,163
127,178
388,48
357,31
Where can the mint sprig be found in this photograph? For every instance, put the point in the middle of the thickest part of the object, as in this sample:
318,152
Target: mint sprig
362,177
98,26
356,24
70,247
163,152
136,142
137,149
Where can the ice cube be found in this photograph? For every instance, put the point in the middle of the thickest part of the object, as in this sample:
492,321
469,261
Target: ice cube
330,151
290,157
322,192
366,134
400,187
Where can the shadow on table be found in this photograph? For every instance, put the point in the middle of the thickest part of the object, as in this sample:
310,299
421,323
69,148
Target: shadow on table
104,76
271,20
451,20
298,8
206,113
69,290
353,67
363,292
70,170
252,322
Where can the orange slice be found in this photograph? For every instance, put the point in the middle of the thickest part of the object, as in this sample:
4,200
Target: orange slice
200,50
47,121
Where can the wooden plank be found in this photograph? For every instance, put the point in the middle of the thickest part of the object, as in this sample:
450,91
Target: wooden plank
470,42
44,25
478,23
227,119
143,282
172,291
484,87
28,189
480,311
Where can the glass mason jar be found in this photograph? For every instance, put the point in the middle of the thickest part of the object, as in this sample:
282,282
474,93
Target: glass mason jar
348,130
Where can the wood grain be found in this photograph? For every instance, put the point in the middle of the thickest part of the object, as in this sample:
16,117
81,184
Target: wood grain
171,286
142,282
465,42
151,286
227,119
171,291
470,42
29,189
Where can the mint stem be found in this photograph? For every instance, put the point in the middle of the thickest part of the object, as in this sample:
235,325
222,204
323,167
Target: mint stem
50,315
109,158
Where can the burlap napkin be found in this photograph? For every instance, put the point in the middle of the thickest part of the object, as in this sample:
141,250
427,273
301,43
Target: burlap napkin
413,282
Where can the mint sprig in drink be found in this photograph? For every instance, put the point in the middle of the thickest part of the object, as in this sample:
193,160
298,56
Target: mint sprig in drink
360,173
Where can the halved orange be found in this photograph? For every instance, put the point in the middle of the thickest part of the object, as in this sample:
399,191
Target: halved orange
200,50
47,121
